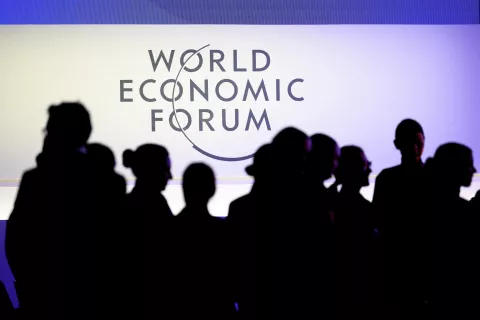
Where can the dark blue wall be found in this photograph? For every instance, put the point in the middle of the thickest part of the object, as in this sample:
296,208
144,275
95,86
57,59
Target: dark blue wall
239,11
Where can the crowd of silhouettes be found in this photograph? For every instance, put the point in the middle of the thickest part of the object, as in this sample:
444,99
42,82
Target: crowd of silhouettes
80,247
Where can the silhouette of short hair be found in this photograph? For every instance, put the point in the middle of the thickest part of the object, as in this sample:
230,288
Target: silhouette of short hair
102,155
408,128
350,154
289,150
198,183
322,144
261,161
452,161
350,160
323,157
451,154
289,144
70,123
290,137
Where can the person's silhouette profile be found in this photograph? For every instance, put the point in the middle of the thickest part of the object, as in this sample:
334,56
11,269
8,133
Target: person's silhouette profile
398,193
246,221
50,244
322,162
204,291
451,266
354,234
294,260
149,230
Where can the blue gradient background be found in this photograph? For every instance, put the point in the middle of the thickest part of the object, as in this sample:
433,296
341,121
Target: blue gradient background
239,12
232,12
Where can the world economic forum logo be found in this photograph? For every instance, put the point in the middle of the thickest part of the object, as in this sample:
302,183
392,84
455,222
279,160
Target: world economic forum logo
205,83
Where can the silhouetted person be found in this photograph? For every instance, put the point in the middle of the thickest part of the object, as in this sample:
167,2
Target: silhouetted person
289,151
243,216
150,164
399,191
150,223
354,235
452,246
322,161
103,165
202,257
300,254
111,223
49,243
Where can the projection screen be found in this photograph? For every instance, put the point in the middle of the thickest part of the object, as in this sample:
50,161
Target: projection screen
235,87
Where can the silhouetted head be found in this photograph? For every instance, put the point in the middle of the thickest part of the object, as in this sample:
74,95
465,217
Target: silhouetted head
354,169
101,156
198,185
289,150
261,163
322,160
453,164
150,164
410,140
68,127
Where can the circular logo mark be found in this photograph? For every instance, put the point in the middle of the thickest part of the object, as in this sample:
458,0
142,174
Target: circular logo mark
195,146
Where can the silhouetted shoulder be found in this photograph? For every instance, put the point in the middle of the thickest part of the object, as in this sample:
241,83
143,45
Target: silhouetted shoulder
391,172
29,175
239,206
29,179
240,202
